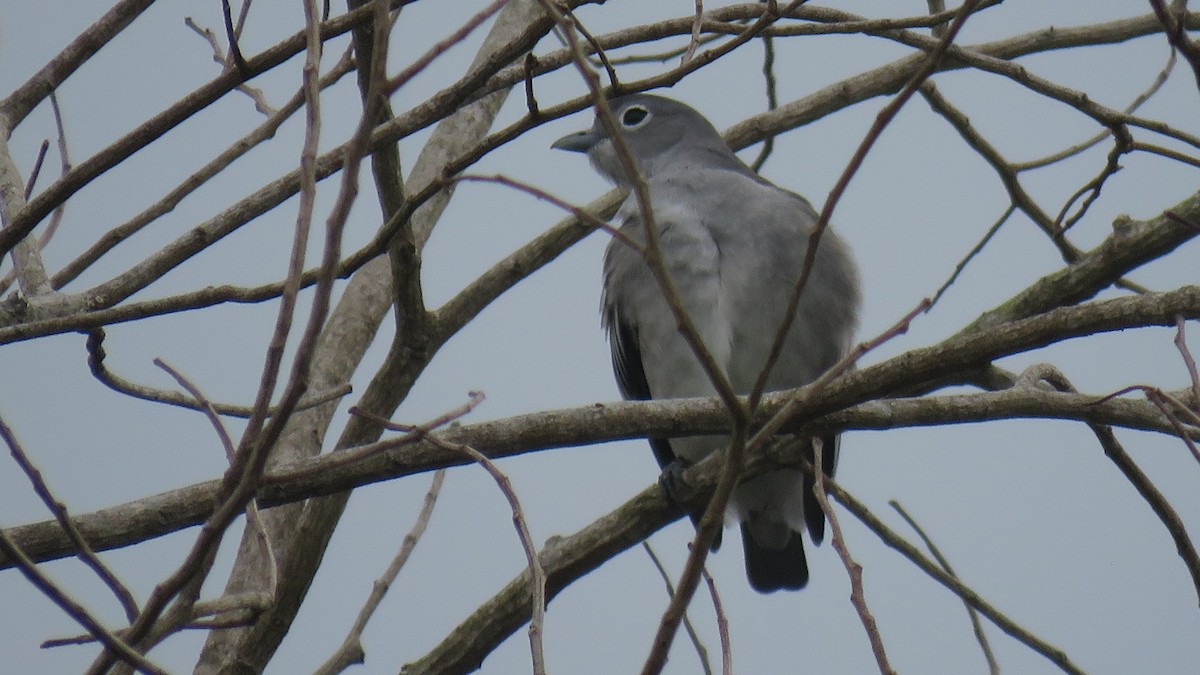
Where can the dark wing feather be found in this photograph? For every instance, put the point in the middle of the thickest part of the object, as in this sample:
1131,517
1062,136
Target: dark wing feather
631,377
813,515
631,380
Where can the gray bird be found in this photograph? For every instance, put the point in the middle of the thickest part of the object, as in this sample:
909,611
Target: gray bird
734,245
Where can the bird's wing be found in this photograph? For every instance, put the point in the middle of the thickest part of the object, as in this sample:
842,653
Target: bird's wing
631,376
814,516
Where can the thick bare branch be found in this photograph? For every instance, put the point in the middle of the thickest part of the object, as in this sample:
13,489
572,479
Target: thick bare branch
173,510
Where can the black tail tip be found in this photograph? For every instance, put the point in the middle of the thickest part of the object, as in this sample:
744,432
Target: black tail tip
771,570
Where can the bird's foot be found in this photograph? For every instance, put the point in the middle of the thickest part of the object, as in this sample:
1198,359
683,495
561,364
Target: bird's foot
673,483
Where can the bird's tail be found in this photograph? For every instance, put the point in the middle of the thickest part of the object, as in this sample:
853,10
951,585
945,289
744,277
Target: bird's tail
774,568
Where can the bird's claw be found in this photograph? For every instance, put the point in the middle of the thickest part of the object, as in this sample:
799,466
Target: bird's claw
676,488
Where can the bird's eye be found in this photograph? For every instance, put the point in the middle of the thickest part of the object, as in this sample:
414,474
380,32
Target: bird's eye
634,116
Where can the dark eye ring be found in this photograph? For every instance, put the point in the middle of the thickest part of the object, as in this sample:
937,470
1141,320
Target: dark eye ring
633,116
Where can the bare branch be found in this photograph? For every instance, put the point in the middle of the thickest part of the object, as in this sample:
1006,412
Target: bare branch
97,355
580,213
307,478
78,542
975,250
37,168
351,650
536,573
980,636
722,625
858,596
25,98
1173,22
882,119
1065,153
701,651
172,199
237,60
231,33
365,302
154,128
694,42
889,537
1188,361
1132,472
115,644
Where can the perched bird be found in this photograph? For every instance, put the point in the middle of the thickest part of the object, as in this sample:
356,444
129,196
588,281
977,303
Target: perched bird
734,246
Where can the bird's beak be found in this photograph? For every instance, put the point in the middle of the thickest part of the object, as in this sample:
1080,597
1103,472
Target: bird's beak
580,141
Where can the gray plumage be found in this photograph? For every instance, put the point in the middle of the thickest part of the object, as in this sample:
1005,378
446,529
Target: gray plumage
734,246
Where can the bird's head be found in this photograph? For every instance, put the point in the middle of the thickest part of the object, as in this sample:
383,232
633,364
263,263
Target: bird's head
660,133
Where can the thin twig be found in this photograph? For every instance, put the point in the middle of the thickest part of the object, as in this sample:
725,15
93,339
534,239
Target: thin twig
1065,153
976,626
64,166
37,168
701,650
854,570
1169,153
101,371
614,82
900,327
231,34
1173,25
577,211
882,120
1008,176
441,47
245,13
1188,361
1090,192
722,624
663,56
253,519
694,41
768,71
893,540
351,650
531,104
113,643
962,264
234,61
83,549
1165,402
415,434
1171,407
223,612
1136,477
537,573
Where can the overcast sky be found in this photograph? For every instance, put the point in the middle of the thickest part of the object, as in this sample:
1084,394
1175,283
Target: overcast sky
1030,513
